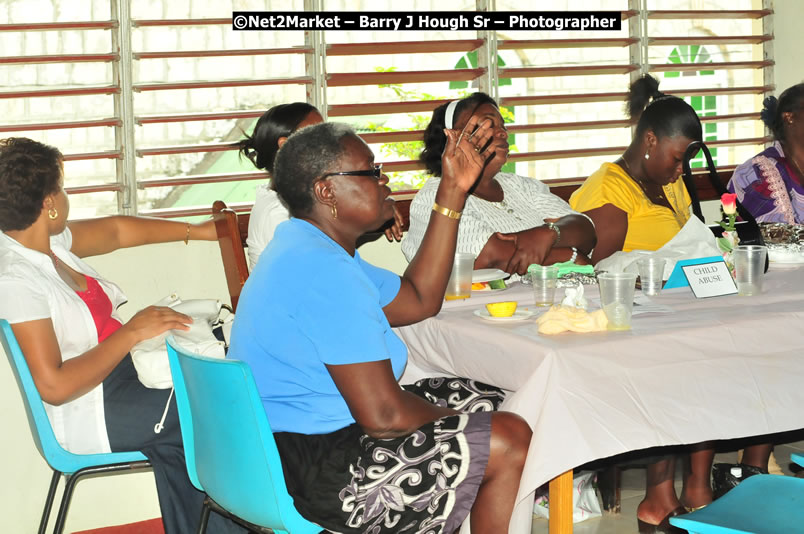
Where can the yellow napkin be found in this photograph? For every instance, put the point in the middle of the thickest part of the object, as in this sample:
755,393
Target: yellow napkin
562,318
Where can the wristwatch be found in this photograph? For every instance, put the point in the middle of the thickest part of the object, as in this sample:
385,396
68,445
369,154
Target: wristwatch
554,227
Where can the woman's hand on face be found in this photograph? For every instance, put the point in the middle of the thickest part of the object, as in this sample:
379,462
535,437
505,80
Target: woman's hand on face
465,156
532,246
155,320
394,233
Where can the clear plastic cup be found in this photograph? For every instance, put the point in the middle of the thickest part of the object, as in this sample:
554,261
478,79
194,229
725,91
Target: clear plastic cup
617,298
651,272
749,268
543,279
459,285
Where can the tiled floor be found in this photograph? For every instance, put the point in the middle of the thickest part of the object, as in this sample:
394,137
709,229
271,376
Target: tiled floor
632,490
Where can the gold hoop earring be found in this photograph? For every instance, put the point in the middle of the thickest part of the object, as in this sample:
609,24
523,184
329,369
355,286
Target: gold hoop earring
53,214
334,209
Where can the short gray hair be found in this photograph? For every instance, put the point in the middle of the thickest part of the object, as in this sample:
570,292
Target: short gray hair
308,154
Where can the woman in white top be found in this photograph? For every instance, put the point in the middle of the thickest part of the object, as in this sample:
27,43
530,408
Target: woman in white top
270,133
509,221
64,316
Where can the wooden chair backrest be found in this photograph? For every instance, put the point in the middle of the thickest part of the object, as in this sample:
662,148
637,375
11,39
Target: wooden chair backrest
232,229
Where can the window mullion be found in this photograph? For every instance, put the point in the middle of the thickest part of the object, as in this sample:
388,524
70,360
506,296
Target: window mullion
638,51
767,54
315,63
487,57
126,165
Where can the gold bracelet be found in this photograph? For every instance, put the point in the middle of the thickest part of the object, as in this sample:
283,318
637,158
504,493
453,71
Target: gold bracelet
187,235
452,214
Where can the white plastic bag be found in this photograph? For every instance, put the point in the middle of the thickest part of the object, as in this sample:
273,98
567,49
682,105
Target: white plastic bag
694,240
150,356
585,503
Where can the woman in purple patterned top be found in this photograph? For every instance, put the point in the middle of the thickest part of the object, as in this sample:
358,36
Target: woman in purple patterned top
771,184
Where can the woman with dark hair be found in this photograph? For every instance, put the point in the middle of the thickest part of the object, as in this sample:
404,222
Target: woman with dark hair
510,221
360,453
270,133
64,316
638,202
771,184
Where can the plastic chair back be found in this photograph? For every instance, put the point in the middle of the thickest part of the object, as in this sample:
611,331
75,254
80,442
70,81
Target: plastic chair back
229,446
41,430
761,504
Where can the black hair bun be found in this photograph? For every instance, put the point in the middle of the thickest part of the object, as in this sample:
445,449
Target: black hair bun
768,113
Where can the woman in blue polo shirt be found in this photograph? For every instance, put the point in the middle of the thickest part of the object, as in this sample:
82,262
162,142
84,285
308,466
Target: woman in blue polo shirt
360,453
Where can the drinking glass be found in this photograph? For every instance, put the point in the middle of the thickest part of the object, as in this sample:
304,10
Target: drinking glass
543,279
617,298
651,272
459,285
749,268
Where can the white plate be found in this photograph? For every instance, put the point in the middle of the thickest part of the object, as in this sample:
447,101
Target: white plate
519,315
487,275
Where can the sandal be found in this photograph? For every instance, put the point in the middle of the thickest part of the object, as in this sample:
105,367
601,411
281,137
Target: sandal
664,527
691,509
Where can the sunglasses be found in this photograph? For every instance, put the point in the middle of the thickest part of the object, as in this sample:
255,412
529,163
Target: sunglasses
376,172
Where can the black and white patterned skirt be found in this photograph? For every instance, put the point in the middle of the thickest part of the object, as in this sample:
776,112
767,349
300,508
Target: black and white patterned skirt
422,483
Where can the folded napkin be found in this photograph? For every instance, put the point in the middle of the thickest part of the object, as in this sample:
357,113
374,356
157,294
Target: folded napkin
563,318
566,267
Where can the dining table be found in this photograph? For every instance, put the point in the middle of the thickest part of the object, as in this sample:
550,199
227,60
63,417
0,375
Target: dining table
689,370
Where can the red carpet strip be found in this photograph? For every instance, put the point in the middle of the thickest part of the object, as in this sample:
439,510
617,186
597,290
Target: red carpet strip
151,526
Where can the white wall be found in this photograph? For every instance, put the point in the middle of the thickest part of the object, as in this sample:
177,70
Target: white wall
789,43
149,273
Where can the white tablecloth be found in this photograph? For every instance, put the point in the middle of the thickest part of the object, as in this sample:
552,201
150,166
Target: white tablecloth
721,367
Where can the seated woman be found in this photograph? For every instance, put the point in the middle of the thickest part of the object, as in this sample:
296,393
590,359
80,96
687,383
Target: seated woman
270,133
510,221
771,184
638,202
64,316
360,453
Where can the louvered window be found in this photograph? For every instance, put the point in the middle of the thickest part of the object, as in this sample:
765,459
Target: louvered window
146,99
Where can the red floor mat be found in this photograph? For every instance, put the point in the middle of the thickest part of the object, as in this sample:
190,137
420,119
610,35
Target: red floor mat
151,526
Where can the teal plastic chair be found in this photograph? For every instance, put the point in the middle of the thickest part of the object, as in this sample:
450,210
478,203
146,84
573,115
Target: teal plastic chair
72,466
761,504
229,446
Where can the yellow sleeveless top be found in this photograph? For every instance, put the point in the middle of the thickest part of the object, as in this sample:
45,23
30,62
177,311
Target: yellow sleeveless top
649,226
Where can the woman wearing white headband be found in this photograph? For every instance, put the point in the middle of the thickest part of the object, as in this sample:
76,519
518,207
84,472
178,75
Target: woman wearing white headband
509,221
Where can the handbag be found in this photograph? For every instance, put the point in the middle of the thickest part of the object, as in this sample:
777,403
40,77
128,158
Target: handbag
727,476
150,356
748,229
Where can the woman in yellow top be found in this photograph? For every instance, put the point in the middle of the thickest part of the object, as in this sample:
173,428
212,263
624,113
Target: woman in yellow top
638,202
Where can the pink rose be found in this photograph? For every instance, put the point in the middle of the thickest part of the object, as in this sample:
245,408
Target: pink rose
729,201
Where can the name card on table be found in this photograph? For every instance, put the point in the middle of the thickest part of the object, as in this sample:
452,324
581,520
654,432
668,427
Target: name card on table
677,277
710,279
